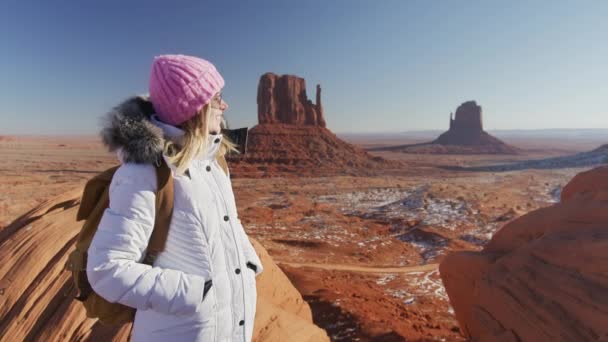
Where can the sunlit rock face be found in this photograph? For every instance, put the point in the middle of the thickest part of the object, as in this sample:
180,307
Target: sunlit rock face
543,276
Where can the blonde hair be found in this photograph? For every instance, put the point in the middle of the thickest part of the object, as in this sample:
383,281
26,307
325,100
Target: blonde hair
196,135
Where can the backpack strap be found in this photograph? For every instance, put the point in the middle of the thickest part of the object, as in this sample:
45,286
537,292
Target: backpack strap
164,211
95,192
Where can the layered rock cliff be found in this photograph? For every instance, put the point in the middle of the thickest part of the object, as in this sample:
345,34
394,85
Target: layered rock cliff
543,276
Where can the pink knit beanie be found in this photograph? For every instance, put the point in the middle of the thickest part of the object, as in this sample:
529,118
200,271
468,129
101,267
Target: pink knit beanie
181,85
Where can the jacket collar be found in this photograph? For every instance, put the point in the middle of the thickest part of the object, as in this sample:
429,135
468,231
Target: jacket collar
176,135
130,130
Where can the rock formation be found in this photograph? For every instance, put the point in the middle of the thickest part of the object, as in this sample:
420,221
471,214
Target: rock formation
291,137
468,119
466,129
283,99
543,276
33,286
465,136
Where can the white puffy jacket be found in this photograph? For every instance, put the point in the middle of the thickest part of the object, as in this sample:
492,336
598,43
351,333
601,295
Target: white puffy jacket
206,241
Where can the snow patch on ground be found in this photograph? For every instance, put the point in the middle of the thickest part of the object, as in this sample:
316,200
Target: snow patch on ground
415,285
427,283
416,204
406,210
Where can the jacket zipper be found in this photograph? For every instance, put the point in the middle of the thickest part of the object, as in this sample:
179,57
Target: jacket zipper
237,251
213,272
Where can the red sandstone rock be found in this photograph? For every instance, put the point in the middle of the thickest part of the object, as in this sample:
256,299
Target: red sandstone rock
302,151
468,118
291,137
466,129
283,99
465,136
542,277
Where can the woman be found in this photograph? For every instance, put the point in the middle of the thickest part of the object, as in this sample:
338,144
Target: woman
203,286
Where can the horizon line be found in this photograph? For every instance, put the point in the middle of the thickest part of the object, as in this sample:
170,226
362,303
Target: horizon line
337,132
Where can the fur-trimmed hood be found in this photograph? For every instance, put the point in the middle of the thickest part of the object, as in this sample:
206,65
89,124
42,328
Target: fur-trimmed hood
128,129
135,133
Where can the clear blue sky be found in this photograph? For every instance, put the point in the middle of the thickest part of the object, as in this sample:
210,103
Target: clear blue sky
383,65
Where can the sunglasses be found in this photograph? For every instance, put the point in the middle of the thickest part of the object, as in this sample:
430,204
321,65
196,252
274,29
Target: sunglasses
217,100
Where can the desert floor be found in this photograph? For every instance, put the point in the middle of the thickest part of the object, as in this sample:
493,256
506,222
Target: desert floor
362,251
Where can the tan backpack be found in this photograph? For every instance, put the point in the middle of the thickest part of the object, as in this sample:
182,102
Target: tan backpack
95,199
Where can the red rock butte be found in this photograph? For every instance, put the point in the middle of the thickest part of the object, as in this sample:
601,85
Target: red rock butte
465,136
291,136
466,129
283,99
468,117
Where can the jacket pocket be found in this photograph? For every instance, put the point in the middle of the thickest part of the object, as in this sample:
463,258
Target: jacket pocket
207,307
252,266
208,285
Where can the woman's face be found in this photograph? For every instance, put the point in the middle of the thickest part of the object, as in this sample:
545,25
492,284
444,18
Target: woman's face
217,106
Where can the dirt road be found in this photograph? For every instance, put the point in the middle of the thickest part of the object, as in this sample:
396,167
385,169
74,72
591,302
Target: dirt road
366,269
